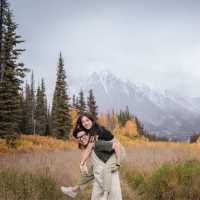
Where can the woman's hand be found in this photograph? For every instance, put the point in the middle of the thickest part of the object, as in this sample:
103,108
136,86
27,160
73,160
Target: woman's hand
83,168
90,146
92,139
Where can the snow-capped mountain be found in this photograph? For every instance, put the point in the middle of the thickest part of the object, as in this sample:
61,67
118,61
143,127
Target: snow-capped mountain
159,111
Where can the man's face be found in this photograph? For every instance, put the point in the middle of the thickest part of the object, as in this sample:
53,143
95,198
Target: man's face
86,122
83,137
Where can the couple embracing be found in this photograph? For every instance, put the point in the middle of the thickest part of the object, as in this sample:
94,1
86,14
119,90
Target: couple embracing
106,154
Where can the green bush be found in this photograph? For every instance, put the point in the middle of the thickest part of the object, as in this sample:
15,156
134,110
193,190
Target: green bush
134,178
180,181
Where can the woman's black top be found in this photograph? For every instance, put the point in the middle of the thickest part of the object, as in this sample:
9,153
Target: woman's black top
103,150
103,133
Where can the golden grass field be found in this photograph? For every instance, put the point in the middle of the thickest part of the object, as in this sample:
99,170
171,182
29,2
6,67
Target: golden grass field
37,154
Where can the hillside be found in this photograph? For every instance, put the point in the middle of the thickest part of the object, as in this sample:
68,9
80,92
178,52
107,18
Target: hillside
160,111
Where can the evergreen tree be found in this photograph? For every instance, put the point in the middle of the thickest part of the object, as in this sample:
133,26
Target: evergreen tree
48,130
91,103
124,116
81,103
74,101
127,114
44,107
140,128
41,110
60,116
29,107
77,103
22,113
32,103
11,74
27,110
3,11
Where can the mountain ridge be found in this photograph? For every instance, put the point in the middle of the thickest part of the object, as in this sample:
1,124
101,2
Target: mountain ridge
159,111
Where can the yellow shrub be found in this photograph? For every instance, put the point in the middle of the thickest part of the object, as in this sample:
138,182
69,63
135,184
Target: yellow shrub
198,140
38,143
131,128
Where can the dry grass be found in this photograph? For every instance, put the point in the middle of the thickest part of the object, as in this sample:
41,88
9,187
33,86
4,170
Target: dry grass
63,165
29,143
38,154
148,156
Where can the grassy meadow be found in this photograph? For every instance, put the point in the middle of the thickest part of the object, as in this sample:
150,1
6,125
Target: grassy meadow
153,170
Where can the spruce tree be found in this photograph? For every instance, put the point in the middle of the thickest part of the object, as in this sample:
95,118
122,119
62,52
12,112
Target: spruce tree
32,102
22,113
140,127
44,109
77,103
74,101
41,110
81,103
60,116
3,10
29,107
28,121
11,74
124,116
48,130
91,103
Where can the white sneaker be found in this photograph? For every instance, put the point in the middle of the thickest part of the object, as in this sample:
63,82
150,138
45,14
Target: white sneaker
68,191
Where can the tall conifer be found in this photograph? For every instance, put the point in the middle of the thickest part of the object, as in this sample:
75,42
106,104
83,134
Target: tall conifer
41,110
81,102
11,74
91,103
60,116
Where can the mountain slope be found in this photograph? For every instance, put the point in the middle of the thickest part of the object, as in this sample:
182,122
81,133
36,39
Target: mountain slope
159,111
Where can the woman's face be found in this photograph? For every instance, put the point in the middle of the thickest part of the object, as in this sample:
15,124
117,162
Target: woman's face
86,122
83,137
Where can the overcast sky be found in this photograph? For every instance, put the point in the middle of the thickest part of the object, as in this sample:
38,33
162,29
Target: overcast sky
145,41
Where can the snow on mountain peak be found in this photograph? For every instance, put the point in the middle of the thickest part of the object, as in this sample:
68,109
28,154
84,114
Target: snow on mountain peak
158,110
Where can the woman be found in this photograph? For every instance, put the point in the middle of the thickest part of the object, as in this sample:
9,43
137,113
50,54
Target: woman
87,123
100,170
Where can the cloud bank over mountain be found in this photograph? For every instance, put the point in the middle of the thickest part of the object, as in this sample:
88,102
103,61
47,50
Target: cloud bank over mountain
160,111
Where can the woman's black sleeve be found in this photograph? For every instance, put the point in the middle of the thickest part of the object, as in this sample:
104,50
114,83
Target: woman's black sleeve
105,134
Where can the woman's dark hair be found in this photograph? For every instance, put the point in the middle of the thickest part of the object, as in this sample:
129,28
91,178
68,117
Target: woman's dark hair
96,129
79,124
